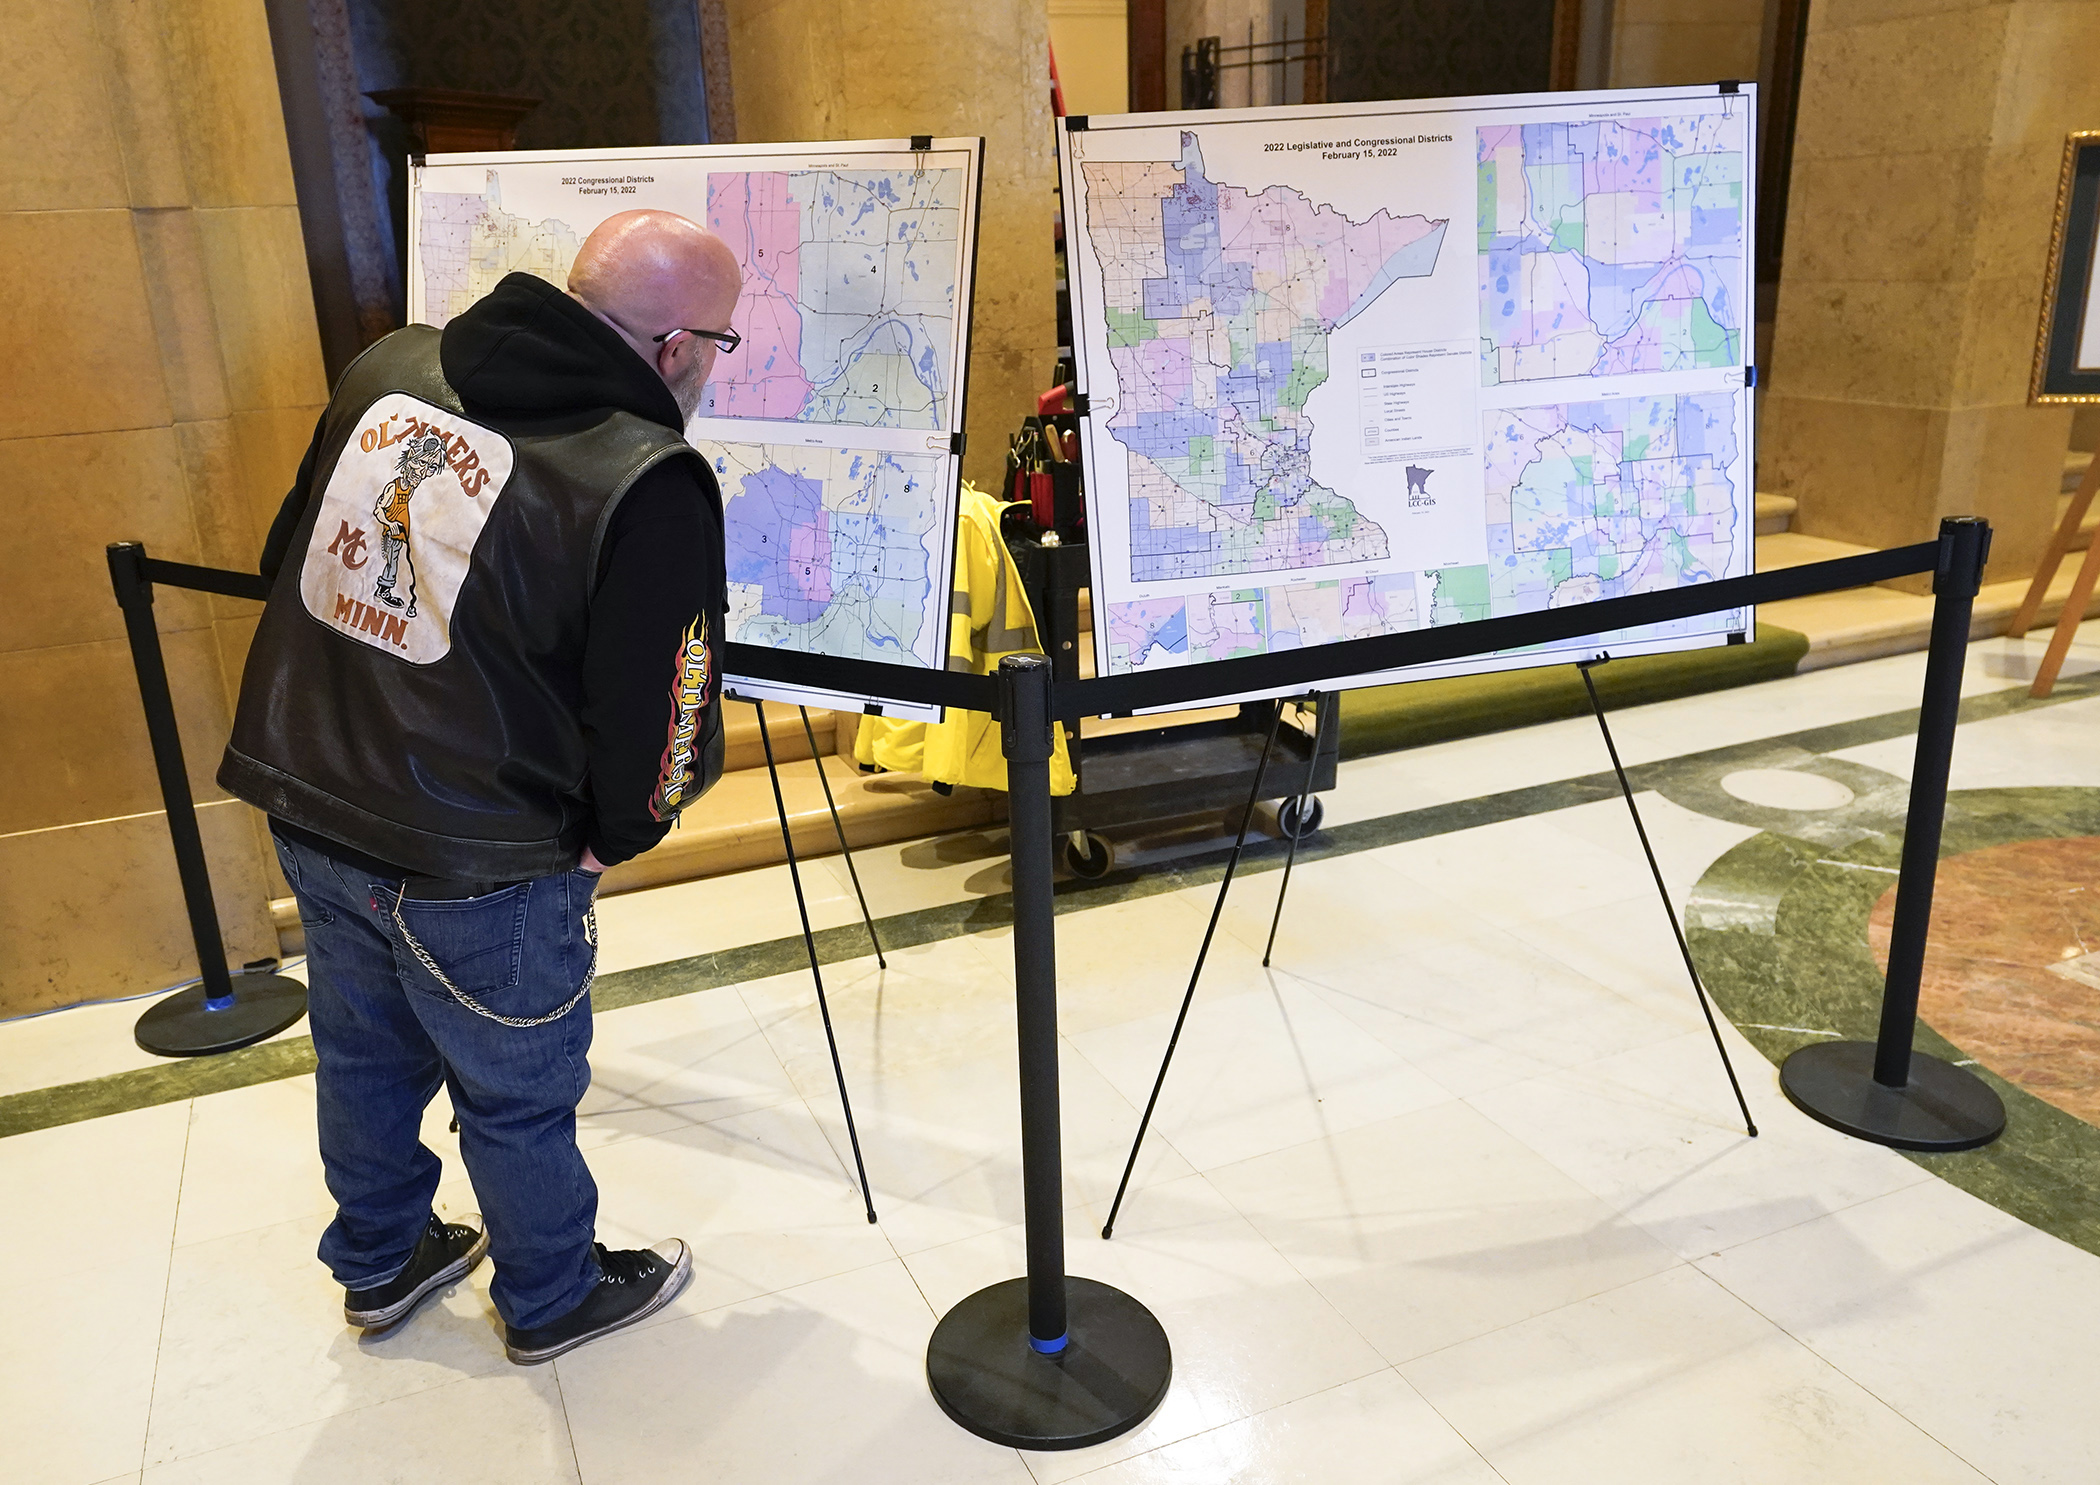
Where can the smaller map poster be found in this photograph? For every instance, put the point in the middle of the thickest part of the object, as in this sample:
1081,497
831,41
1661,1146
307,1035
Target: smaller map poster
830,428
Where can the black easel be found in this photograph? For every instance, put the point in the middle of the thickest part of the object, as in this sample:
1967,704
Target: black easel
1046,1361
224,1011
838,826
1884,1090
1661,891
809,941
1239,844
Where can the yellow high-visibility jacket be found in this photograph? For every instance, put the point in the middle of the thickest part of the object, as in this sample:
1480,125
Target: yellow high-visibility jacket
988,619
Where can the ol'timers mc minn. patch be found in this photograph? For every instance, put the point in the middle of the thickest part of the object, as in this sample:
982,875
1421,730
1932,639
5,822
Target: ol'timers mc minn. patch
404,506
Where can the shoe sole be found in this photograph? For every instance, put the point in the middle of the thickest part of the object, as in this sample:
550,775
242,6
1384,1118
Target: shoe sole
680,1272
395,1313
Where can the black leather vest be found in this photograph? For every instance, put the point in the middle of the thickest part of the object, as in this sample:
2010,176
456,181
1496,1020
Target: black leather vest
415,684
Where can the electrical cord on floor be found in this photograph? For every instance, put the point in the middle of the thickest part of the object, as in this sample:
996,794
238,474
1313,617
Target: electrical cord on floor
77,1005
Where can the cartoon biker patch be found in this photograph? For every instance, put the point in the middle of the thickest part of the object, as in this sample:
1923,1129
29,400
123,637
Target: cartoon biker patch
397,526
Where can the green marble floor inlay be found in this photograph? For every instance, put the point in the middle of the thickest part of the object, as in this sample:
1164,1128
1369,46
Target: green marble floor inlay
1778,926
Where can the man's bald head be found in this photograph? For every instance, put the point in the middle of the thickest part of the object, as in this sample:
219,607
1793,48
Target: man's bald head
648,273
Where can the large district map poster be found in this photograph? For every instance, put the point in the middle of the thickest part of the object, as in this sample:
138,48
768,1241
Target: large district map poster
833,427
1357,369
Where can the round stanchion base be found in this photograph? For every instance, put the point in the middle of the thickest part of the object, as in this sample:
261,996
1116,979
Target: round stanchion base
1942,1107
181,1025
1110,1376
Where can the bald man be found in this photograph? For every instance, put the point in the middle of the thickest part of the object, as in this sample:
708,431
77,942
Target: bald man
446,778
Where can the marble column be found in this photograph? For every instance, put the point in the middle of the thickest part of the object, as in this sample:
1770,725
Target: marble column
815,69
1924,182
163,374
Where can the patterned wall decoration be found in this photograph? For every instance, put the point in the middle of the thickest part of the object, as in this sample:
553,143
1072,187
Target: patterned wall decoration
1437,48
608,72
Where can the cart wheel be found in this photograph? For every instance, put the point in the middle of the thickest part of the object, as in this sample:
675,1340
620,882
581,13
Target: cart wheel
1096,861
1289,822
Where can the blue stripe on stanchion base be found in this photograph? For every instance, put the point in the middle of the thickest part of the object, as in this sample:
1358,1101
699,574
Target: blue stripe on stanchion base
1049,1348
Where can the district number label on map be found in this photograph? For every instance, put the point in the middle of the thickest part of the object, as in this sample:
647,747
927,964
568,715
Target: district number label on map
830,427
1359,369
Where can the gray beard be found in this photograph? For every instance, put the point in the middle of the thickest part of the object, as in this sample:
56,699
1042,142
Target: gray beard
687,389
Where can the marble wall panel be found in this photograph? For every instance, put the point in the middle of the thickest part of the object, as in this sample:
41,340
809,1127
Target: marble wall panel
262,302
1861,471
95,910
229,116
210,466
1922,84
76,336
142,99
2005,463
268,444
75,745
1675,49
1910,217
178,291
2051,47
1998,344
1924,182
2016,207
1870,340
91,489
237,470
795,49
62,150
1839,14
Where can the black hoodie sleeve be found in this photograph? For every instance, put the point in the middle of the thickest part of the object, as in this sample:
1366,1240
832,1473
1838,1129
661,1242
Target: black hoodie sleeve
652,713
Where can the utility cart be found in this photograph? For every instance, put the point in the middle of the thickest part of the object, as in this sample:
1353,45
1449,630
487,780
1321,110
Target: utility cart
1136,772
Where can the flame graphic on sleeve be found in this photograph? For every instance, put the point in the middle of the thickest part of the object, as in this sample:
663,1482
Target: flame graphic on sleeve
692,669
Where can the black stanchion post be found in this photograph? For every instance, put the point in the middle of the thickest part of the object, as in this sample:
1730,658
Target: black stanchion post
224,1011
1885,1091
1046,1361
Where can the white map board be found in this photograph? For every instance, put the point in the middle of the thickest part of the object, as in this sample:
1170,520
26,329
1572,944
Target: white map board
833,427
1361,368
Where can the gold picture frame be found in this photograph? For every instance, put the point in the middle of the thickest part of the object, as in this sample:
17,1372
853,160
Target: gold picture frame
2061,374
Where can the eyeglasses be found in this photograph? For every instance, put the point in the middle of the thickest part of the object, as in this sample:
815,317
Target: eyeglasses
728,340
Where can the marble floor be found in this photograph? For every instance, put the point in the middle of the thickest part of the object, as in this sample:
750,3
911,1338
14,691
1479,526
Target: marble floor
1455,1191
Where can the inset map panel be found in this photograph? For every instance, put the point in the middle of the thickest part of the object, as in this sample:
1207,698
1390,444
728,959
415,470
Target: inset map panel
1611,247
835,551
848,314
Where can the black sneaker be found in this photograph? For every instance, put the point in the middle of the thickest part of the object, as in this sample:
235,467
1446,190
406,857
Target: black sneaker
634,1284
446,1251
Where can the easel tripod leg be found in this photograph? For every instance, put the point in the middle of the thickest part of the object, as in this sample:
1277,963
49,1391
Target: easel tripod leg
1290,854
2067,622
816,973
1663,891
839,828
1108,1229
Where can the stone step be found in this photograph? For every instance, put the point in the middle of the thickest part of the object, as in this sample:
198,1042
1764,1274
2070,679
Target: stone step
736,826
1868,623
1775,513
742,747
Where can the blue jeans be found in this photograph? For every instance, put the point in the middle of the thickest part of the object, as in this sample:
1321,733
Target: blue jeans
388,1031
